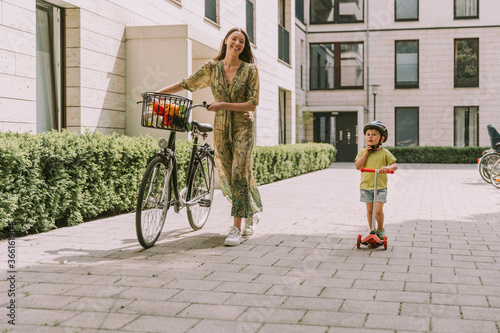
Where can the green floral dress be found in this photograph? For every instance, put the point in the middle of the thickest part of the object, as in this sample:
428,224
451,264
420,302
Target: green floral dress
234,132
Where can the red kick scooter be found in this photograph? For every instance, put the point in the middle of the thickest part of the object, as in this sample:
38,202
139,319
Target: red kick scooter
372,238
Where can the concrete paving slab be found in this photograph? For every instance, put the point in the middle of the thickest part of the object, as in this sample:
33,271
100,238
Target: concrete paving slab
300,272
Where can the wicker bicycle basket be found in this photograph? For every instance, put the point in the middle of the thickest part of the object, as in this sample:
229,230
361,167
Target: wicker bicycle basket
165,111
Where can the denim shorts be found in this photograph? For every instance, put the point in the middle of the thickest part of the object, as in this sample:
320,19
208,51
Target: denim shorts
367,195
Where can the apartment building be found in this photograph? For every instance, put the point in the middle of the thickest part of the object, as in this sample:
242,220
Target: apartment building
428,69
82,64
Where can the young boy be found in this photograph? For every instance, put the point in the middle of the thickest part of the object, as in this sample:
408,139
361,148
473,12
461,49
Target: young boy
375,157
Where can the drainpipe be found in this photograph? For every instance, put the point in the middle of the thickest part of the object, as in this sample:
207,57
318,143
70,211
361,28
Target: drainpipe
368,58
307,64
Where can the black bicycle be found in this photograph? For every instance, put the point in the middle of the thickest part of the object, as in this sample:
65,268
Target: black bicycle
159,188
490,156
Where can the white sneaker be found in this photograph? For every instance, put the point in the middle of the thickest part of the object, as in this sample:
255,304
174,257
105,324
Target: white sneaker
234,237
251,225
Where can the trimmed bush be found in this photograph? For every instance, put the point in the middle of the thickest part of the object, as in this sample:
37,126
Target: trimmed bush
53,179
284,161
58,179
434,154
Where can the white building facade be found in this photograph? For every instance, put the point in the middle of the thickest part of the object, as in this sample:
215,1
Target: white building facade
428,69
82,64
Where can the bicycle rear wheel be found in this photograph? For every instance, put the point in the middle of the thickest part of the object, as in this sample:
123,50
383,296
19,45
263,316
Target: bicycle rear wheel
201,188
153,201
495,174
485,165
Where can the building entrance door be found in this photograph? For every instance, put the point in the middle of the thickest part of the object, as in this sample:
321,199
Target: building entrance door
346,133
338,129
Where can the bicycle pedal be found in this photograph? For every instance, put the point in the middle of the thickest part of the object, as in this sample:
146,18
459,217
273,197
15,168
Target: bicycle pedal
205,203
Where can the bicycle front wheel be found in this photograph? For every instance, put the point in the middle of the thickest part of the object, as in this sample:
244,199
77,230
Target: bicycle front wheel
153,201
485,165
201,191
495,174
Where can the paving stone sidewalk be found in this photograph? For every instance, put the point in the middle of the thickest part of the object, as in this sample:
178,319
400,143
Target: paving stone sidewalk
301,271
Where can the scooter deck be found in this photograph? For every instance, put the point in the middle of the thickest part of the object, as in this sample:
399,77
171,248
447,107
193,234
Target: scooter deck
373,240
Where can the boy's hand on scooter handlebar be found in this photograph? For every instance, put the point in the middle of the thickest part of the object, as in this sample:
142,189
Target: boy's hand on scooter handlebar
384,169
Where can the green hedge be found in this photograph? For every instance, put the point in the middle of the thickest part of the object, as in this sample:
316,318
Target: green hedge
284,161
433,154
56,179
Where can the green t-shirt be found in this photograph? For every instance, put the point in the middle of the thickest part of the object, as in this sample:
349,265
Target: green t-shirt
376,160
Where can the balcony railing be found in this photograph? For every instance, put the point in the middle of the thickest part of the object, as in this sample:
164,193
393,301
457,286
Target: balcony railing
466,76
331,77
406,75
283,44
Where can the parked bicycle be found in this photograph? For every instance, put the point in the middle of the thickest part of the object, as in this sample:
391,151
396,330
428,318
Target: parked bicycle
490,156
495,174
159,189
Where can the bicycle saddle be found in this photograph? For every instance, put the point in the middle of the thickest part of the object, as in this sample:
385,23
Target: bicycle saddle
202,127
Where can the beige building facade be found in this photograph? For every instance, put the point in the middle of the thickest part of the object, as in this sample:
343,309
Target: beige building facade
82,64
428,69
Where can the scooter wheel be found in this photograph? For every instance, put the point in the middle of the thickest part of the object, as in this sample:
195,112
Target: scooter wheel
358,243
385,243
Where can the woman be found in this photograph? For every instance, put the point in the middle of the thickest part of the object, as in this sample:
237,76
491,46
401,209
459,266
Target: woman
234,80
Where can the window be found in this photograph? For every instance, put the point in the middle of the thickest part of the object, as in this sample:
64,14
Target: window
324,127
466,9
211,10
406,67
49,68
283,34
466,121
336,11
301,77
299,10
406,127
336,66
250,20
406,10
282,117
466,63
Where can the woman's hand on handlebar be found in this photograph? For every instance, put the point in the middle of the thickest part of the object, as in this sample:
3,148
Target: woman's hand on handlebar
215,106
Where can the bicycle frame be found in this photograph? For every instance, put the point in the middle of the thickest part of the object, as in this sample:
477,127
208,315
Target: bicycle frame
169,154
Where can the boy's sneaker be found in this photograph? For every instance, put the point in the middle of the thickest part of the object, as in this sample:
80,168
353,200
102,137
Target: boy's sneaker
381,233
250,225
234,237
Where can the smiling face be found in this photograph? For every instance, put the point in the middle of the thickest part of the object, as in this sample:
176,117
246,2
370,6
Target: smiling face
235,42
372,137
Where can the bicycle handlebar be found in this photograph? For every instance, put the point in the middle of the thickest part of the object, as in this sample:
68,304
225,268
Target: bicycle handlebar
203,105
373,170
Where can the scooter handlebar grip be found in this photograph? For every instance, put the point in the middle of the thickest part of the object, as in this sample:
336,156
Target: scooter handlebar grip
373,170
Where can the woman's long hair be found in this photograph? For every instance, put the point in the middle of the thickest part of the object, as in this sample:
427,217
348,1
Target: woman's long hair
245,55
